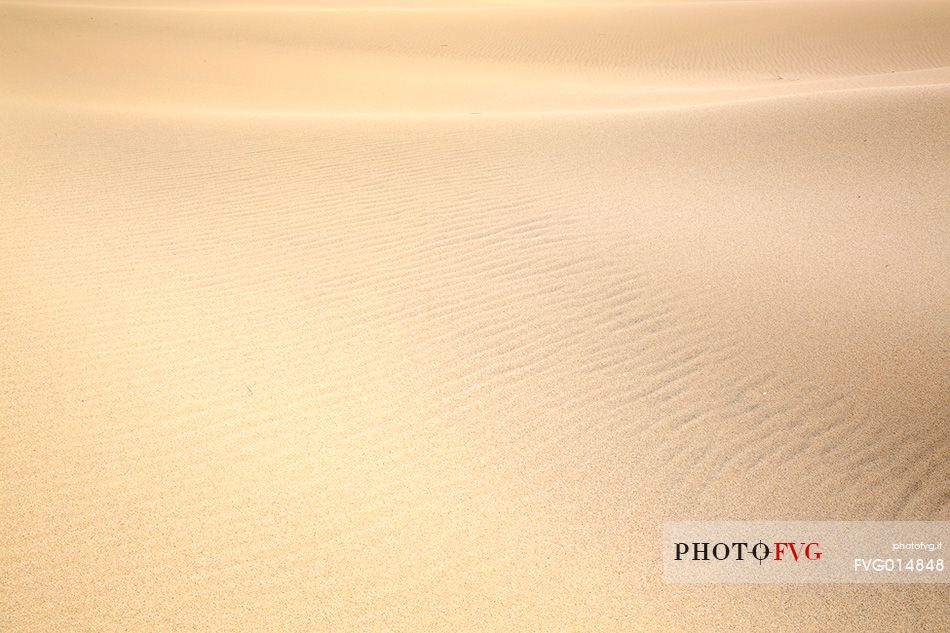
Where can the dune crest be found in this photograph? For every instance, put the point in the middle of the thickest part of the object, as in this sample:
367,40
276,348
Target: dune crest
510,59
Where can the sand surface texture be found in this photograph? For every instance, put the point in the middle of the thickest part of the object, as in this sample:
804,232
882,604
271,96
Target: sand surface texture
424,316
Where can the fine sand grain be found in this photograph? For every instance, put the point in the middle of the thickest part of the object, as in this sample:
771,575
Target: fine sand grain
424,316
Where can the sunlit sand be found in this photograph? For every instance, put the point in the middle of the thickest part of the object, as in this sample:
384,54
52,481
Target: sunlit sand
424,316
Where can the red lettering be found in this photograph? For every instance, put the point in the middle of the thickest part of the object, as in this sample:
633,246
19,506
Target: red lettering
781,547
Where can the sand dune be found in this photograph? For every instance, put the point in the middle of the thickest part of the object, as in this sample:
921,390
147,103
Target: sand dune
419,316
501,60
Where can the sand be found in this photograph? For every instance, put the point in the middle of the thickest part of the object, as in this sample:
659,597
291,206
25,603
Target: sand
425,316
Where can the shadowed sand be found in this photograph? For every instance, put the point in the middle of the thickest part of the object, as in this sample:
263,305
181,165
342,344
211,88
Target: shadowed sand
418,316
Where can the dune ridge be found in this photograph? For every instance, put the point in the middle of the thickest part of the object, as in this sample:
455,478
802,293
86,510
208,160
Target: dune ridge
505,59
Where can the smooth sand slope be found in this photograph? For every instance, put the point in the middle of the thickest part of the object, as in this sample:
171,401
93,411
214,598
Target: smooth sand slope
424,317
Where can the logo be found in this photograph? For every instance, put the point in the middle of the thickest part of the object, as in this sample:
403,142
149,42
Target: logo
743,550
805,551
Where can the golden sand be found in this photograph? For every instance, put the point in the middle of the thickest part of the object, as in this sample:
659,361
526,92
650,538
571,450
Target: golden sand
425,316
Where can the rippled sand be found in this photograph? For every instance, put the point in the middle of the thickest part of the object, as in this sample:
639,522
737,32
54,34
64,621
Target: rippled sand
425,316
